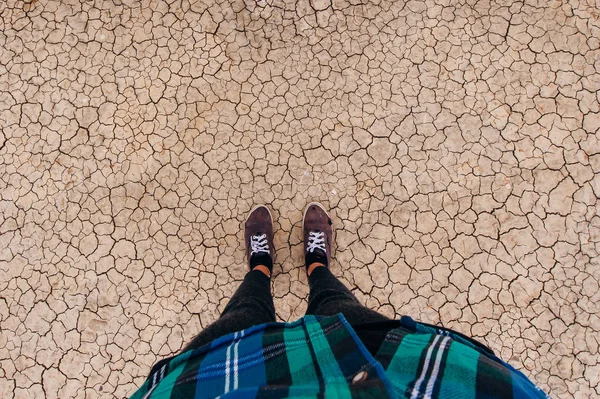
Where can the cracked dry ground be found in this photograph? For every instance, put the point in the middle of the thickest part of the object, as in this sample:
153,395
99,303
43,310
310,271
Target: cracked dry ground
456,143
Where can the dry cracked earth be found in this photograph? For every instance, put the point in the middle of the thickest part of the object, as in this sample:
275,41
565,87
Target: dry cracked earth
456,143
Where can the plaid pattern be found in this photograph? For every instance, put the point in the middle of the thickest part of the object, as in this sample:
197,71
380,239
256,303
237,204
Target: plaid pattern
322,356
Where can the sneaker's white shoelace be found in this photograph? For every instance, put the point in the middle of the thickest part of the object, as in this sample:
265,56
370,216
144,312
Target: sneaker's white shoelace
316,240
259,244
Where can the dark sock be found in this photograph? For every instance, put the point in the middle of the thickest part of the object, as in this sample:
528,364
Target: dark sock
316,256
261,259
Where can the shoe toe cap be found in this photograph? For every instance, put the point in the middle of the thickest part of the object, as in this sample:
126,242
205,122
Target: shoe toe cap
259,215
316,214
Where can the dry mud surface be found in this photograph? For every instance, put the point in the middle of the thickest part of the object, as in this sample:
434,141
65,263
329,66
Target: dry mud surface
455,142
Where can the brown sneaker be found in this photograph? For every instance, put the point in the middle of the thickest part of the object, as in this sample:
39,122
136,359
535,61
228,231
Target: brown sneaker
318,235
258,238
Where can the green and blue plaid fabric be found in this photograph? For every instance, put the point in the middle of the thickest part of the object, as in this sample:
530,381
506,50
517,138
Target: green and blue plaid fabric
323,357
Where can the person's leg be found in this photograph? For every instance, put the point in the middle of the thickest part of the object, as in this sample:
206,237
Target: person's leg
252,304
328,296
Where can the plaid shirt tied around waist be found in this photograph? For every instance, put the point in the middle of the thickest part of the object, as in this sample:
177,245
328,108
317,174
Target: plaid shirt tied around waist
323,357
